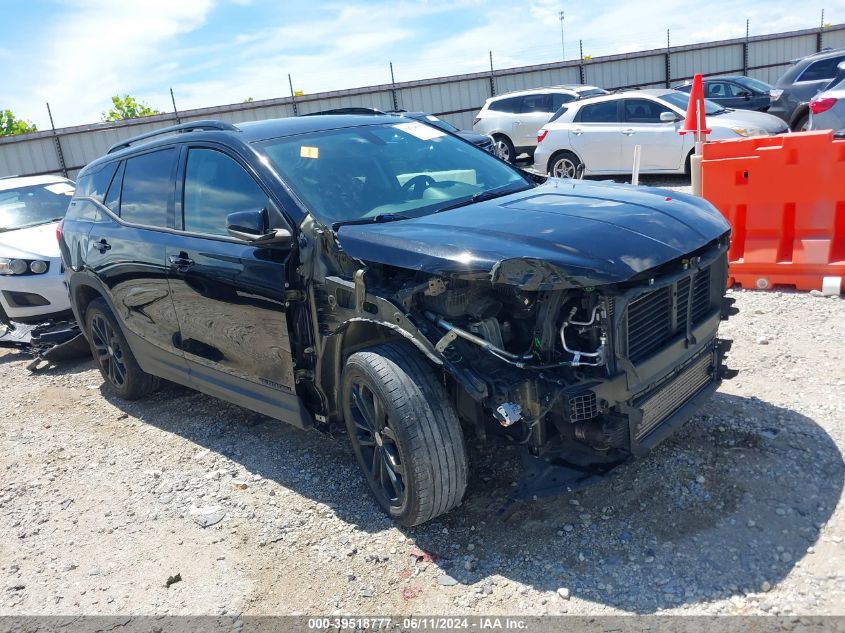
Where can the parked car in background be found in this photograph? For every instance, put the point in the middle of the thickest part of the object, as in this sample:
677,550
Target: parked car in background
32,282
601,133
800,83
827,109
735,91
513,119
382,275
482,141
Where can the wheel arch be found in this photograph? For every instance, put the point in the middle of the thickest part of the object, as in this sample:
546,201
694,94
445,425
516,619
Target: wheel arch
558,152
357,334
802,110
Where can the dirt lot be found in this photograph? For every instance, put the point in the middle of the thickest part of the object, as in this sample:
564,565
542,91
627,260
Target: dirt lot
101,502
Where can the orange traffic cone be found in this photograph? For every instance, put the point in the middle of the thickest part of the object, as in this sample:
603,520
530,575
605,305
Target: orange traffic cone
695,121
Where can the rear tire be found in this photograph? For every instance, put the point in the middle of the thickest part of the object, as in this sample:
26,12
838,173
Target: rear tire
121,372
504,148
404,432
801,123
564,165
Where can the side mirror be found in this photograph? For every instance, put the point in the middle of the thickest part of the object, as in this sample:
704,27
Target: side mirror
668,117
253,226
745,94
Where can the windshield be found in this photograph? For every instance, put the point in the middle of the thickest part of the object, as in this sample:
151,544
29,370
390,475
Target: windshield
755,84
403,169
681,100
37,204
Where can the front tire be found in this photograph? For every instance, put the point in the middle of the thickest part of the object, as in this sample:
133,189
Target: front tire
123,376
404,432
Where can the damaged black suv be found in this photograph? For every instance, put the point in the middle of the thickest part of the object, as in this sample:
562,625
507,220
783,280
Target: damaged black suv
390,277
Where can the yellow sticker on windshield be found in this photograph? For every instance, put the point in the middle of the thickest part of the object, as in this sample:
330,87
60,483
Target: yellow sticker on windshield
309,152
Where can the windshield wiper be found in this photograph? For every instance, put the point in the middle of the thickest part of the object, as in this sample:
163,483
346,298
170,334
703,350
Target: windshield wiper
4,229
481,196
376,219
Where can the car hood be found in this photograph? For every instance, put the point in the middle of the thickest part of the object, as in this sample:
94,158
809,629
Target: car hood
748,118
562,233
474,137
30,243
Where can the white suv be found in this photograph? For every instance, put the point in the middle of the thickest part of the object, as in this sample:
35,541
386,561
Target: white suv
513,119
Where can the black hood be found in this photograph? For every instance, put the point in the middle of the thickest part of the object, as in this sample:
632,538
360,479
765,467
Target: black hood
475,138
558,234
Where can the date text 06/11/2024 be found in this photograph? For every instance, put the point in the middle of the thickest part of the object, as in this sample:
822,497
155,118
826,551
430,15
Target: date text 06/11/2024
416,623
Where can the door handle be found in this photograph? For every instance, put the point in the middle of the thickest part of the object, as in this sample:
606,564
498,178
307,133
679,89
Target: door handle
628,132
577,132
102,246
180,262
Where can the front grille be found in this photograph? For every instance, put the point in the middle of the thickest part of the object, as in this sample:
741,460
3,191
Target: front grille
656,317
668,397
583,406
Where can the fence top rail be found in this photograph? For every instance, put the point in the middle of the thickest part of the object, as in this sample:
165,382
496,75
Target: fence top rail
213,111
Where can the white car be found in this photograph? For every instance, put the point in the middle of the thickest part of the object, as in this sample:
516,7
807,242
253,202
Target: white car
601,133
32,282
513,119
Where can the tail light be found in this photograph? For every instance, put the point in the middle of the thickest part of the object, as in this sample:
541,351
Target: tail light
817,106
541,135
774,94
59,231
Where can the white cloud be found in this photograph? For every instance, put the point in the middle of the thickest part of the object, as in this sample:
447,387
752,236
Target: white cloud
98,49
102,47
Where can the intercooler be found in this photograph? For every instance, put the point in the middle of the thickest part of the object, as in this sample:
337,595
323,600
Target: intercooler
667,397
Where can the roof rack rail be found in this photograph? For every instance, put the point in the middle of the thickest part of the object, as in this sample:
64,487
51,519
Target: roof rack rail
176,129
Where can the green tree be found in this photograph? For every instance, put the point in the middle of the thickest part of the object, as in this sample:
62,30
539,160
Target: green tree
127,107
9,125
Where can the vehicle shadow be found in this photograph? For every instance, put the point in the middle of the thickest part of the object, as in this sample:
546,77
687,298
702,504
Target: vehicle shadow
725,507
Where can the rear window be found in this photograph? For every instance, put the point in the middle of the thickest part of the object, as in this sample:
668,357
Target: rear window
511,105
148,188
822,69
560,112
95,183
604,112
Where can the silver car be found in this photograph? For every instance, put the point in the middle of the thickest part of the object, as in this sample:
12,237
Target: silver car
602,132
827,109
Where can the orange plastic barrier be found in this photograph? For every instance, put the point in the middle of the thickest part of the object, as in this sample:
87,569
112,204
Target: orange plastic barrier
784,196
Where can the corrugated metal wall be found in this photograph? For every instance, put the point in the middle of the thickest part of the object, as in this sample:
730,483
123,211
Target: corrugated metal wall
455,98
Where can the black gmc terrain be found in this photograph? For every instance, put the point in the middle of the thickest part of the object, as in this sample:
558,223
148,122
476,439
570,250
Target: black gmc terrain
385,275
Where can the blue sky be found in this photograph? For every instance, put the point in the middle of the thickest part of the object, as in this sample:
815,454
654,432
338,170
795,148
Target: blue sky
77,54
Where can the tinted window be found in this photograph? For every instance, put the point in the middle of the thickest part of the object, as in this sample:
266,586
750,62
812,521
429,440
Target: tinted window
643,111
93,184
215,186
604,112
686,88
822,69
148,188
558,114
536,103
510,104
559,99
113,196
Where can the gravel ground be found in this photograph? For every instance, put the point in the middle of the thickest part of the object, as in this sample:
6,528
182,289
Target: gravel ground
103,504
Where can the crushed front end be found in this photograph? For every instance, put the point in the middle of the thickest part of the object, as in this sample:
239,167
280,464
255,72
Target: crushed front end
583,377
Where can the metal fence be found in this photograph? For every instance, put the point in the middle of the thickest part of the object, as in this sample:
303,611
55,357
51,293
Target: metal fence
455,98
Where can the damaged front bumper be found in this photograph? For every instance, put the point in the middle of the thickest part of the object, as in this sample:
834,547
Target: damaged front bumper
648,416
